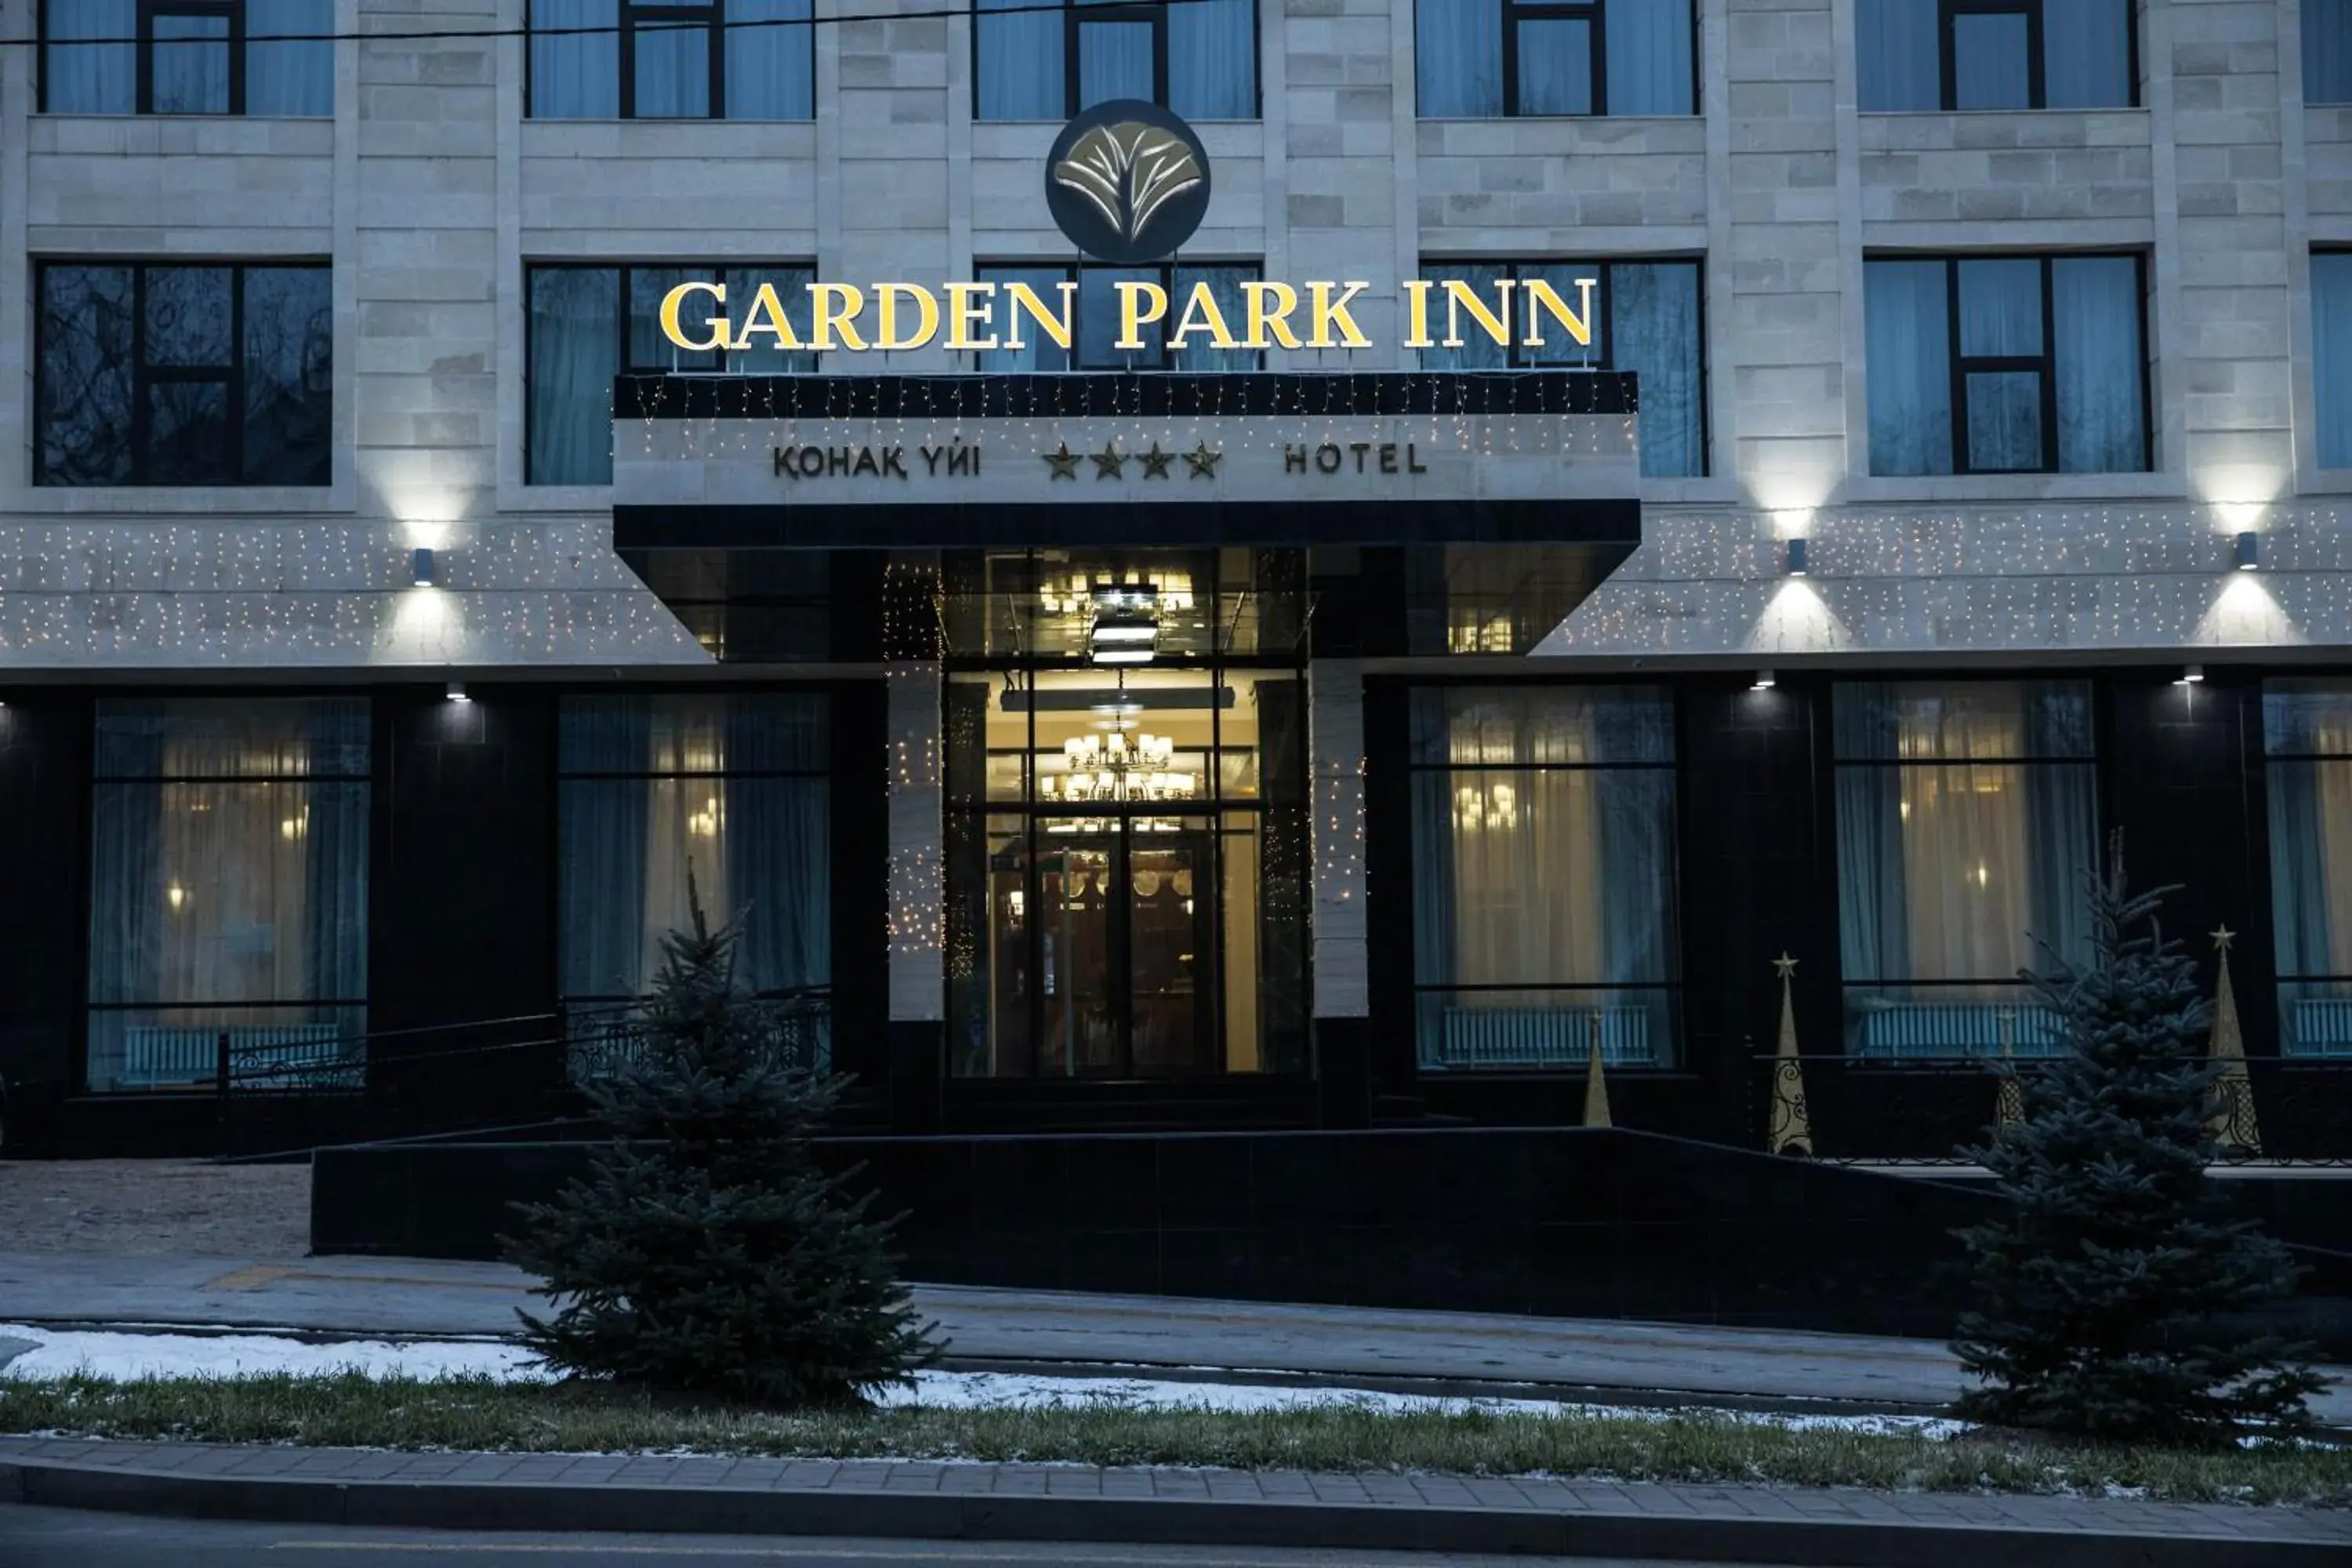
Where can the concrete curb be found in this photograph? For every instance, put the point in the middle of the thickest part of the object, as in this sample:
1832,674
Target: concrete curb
1152,1521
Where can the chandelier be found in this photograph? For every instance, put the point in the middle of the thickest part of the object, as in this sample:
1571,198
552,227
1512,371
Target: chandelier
1115,768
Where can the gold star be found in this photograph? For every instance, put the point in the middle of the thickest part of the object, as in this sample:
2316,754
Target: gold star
2222,937
1785,967
1064,463
1155,462
1110,463
1204,461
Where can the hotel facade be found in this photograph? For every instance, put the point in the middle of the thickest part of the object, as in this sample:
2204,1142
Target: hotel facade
1954,471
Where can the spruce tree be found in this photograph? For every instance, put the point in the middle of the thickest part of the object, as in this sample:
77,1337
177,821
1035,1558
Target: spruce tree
705,1252
2114,1286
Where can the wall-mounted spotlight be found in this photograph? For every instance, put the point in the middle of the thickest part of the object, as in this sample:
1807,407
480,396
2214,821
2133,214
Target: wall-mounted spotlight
1763,681
420,561
2248,552
2191,676
1795,556
457,692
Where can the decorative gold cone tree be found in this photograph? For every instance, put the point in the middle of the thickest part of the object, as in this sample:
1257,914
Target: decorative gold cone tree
2232,1124
2010,1109
1596,1086
1793,1130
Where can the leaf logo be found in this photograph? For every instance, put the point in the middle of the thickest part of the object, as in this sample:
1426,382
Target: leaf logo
1129,172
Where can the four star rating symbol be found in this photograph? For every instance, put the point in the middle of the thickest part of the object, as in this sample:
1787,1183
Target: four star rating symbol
1110,463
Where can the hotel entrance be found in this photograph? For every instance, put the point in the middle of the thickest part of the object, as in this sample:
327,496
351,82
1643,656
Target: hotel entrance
1127,875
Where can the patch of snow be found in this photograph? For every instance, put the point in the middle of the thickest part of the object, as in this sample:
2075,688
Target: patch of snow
124,1358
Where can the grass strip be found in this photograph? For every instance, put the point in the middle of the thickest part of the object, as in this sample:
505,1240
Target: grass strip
481,1416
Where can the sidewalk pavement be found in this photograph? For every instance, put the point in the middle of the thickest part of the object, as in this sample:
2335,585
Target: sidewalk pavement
905,1499
1433,1353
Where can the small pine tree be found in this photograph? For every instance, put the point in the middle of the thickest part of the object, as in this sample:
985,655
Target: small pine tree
2111,1278
705,1252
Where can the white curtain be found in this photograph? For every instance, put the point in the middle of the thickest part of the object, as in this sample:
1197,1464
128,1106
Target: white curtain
2000,315
1899,54
1212,59
1907,360
1020,63
1555,65
1225,288
2086,53
2102,422
770,68
1458,58
575,353
670,67
229,867
2327,51
1654,331
1649,61
575,75
191,65
2307,728
1115,57
296,78
2331,352
90,78
1991,61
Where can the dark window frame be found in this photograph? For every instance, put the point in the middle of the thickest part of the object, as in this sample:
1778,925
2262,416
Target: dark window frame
1515,355
1516,12
147,14
711,16
1169,360
2045,363
1077,14
2037,74
622,320
144,376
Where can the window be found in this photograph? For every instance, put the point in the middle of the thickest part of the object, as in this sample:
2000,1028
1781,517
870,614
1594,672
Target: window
2307,735
1648,321
188,56
672,59
730,794
1995,54
229,885
589,324
1543,876
1476,59
2006,364
1095,332
2327,51
184,375
2331,355
1198,57
1965,822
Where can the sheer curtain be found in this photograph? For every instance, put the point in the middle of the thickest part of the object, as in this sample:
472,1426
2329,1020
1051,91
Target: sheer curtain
575,76
2086,53
1907,360
1225,288
670,66
1477,351
1212,59
2000,315
2307,730
2095,307
1649,56
2331,354
291,78
1115,54
1021,62
1458,58
575,353
770,70
90,78
2327,51
1654,331
1037,352
1898,53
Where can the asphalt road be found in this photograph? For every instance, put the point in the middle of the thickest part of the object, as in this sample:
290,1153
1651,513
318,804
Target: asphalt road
51,1538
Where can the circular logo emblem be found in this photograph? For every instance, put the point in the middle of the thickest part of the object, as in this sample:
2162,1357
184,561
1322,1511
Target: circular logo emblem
1128,182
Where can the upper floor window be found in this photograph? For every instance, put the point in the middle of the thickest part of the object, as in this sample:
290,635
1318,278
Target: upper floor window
1480,58
589,323
1095,334
1198,57
2331,354
672,59
1646,319
184,375
1995,54
188,56
1992,365
2327,51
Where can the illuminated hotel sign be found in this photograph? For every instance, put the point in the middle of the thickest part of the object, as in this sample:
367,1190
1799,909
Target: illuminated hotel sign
1128,183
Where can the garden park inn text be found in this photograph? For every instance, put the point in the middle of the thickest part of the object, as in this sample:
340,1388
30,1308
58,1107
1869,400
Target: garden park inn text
900,316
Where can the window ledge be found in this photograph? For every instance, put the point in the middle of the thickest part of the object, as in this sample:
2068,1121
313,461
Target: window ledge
2015,487
198,499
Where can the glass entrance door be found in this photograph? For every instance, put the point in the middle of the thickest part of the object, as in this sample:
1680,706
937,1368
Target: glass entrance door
1079,1000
